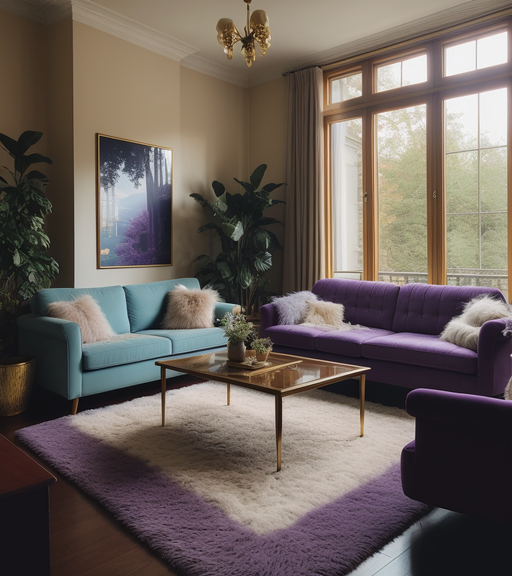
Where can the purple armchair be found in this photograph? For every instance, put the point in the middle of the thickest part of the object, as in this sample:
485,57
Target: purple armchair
461,458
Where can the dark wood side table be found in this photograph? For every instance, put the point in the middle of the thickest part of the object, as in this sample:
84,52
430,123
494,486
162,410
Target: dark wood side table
24,513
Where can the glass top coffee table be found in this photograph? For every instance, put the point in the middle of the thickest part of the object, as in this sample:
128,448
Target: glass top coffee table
283,376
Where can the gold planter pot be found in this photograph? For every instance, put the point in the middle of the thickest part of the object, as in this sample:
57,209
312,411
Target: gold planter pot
16,378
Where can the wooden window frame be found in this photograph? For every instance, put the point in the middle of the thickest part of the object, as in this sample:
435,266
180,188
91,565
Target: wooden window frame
433,92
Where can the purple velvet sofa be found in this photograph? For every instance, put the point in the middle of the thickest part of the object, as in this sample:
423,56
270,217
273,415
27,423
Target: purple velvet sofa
460,458
401,345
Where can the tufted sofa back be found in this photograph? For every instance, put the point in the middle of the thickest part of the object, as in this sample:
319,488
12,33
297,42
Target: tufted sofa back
367,303
427,308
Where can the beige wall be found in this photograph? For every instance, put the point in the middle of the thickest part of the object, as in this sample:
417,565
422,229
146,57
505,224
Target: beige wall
125,91
267,145
60,224
72,82
214,147
23,77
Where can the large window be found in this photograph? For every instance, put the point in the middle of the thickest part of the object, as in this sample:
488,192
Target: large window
417,157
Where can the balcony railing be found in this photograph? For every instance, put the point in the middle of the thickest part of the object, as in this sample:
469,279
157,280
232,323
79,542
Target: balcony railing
490,280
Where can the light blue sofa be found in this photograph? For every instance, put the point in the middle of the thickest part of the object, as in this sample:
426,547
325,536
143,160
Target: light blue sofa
66,366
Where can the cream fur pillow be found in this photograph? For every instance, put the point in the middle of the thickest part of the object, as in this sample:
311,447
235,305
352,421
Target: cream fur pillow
462,334
482,309
320,313
85,312
187,309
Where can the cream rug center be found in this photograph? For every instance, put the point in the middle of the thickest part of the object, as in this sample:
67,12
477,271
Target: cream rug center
227,454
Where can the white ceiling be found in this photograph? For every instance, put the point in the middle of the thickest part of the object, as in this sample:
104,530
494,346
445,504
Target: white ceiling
304,32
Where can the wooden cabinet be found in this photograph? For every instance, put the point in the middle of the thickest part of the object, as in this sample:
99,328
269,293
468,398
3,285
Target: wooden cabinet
24,513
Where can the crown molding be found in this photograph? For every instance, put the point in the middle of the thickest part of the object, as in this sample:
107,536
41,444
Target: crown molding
87,12
205,66
96,16
130,30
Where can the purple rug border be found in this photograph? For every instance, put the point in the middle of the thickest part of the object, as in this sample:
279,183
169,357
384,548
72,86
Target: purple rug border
198,539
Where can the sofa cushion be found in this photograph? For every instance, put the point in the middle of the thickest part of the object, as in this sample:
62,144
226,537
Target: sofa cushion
297,336
291,308
427,308
187,309
124,349
111,300
367,303
347,342
421,350
85,312
319,313
193,340
146,303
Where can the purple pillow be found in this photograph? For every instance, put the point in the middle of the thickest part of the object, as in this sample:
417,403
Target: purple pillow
291,309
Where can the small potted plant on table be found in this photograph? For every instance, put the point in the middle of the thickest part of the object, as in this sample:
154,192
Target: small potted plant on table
263,347
237,329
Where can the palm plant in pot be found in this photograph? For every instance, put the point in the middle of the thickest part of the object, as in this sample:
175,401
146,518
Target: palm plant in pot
237,272
25,266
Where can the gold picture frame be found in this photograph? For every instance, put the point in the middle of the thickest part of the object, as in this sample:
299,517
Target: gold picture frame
133,203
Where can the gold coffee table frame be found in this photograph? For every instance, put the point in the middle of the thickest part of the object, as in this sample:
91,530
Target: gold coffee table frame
285,376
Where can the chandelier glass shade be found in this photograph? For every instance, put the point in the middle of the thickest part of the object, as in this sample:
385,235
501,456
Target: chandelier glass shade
256,29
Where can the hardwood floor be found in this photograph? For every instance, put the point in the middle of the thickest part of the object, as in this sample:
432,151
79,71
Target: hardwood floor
85,540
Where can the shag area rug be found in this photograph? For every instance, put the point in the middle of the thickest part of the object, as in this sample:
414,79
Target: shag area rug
203,491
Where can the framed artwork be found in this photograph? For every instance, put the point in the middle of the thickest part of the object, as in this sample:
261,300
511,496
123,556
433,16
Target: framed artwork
134,204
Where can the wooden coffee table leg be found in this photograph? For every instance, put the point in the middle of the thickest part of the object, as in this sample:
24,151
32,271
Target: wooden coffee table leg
228,394
362,382
164,390
279,428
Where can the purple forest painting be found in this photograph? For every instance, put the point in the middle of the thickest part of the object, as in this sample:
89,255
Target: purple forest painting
134,203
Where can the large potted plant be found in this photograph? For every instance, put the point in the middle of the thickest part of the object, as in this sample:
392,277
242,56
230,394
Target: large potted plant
25,266
237,272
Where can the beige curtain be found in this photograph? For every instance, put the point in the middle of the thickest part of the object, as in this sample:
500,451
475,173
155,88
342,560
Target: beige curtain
304,252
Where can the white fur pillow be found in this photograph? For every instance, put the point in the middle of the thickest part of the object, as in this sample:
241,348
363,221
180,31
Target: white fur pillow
462,334
484,308
85,312
291,308
321,313
187,309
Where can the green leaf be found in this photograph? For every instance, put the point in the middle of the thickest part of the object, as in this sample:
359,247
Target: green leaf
233,231
224,269
21,163
271,187
261,240
16,258
222,202
10,145
266,221
218,188
210,226
257,175
198,198
248,187
263,262
28,139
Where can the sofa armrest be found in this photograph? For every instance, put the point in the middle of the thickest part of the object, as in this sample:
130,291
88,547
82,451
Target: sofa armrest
494,362
221,308
459,410
57,347
268,317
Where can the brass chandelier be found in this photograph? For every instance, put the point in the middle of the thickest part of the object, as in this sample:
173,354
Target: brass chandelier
255,29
